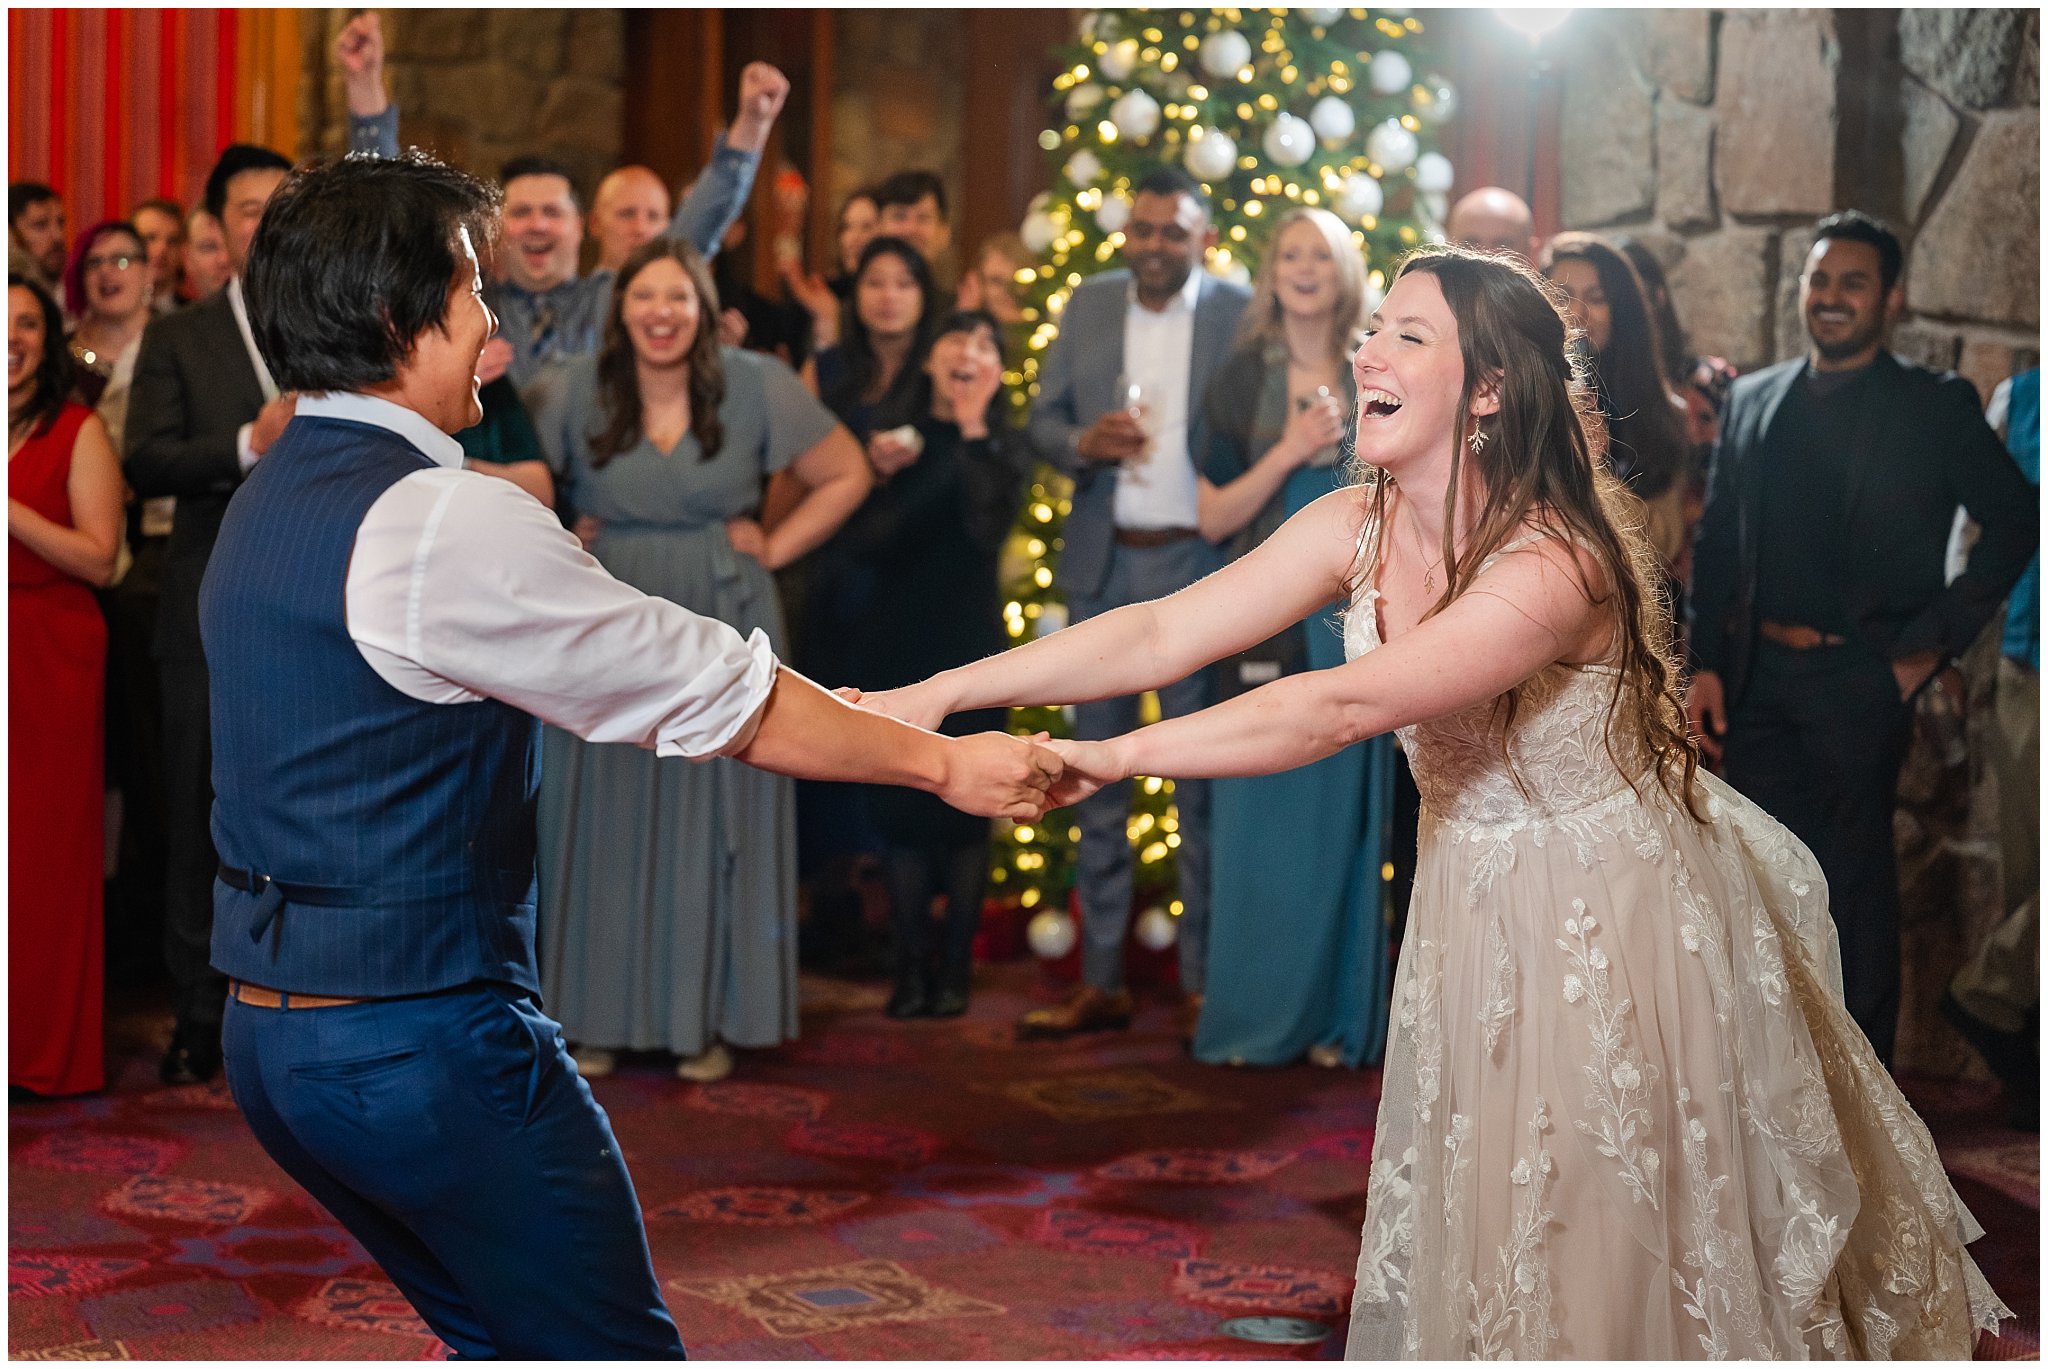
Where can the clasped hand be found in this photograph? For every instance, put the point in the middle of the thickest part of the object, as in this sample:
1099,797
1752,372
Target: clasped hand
1082,767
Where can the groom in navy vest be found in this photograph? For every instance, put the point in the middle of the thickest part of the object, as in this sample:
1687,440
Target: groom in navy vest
381,629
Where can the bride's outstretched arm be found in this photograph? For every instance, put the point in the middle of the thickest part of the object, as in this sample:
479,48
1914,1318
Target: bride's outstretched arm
1525,613
1299,569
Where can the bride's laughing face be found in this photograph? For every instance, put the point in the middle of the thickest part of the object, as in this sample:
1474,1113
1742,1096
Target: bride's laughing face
1409,372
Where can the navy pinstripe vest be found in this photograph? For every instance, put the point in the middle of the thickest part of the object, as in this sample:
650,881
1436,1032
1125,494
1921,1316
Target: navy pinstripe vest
399,834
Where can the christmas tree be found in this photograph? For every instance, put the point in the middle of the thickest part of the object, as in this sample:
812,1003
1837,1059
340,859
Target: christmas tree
1268,109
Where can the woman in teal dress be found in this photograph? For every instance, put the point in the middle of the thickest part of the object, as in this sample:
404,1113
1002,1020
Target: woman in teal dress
668,888
1297,930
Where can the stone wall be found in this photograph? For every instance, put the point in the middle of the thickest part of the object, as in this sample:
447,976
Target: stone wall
481,86
897,103
1718,137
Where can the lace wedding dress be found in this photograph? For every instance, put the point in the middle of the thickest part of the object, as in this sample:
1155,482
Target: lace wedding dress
1625,1114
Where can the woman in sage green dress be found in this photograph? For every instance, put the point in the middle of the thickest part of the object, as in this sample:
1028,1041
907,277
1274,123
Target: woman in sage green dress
667,888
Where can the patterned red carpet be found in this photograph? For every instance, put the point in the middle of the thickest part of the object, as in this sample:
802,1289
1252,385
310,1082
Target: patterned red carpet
879,1190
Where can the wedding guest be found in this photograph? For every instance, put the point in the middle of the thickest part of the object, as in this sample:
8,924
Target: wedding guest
1701,382
1297,942
64,533
824,298
107,289
1646,441
546,311
1161,327
207,267
1820,605
912,205
925,542
992,284
203,411
1494,220
668,890
631,207
162,226
35,230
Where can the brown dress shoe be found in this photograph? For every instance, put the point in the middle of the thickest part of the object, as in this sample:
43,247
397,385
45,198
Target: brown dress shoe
1087,1009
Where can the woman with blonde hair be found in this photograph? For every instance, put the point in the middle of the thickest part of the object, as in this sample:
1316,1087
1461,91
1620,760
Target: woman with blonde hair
1298,946
1625,1114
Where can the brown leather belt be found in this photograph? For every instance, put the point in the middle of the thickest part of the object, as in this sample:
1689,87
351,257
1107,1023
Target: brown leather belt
256,996
1153,537
1798,636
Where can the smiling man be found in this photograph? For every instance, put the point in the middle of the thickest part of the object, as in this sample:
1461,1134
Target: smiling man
384,629
1157,330
547,312
1818,608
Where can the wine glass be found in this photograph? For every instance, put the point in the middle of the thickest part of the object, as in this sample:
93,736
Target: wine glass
1135,398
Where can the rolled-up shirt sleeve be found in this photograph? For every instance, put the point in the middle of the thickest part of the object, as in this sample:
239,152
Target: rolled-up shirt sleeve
463,587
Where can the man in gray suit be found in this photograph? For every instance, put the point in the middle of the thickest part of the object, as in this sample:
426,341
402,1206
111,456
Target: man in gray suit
1120,410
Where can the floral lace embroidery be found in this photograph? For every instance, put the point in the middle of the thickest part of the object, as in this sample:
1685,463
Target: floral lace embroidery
1514,1320
1723,1297
1620,1078
1389,1232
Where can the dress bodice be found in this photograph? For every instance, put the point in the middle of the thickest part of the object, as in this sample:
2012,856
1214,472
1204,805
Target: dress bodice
1561,767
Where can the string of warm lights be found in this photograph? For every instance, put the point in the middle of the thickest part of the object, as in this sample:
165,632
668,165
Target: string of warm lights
1268,109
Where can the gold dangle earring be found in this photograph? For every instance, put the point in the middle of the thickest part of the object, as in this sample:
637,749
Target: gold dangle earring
1477,442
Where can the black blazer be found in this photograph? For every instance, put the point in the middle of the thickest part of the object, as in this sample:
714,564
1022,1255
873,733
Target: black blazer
194,388
1927,449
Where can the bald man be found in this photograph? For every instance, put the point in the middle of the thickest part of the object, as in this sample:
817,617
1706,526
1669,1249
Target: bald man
1495,220
631,207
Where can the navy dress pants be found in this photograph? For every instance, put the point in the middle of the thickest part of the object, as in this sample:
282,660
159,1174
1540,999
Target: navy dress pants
451,1134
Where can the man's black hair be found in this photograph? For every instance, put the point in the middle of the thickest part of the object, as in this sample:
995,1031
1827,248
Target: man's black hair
1853,225
534,165
23,196
908,187
237,158
353,262
1171,180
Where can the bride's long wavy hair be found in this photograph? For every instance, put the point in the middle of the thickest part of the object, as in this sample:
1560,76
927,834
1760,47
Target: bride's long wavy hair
1542,465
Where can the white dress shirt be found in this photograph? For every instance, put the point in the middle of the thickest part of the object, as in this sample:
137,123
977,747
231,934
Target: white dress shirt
463,587
245,451
1159,491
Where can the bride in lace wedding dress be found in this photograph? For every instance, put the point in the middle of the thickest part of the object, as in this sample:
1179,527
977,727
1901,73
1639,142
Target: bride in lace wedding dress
1624,1112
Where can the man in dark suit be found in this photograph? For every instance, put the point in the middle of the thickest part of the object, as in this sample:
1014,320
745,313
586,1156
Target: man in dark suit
201,412
1120,410
1818,609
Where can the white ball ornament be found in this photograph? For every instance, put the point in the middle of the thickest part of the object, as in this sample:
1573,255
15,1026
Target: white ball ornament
1135,114
1156,929
1212,156
1390,72
1433,173
1332,119
1114,214
1391,146
1084,168
1083,98
1359,196
1442,104
1120,60
1289,141
1038,231
1223,52
1323,18
1051,934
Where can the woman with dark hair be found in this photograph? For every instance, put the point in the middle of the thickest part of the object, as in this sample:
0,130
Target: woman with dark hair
64,532
1624,1113
870,378
1646,442
668,894
925,544
107,289
1701,382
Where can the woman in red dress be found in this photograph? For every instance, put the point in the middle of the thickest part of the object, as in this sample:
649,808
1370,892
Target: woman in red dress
63,531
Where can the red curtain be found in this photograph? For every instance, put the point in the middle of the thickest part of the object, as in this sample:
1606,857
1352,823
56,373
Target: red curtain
116,106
